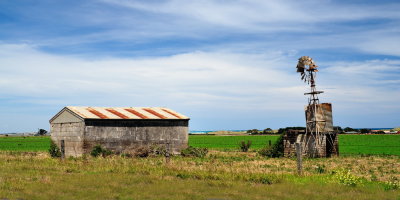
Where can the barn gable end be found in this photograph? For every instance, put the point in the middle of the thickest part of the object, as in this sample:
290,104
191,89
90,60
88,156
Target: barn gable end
65,116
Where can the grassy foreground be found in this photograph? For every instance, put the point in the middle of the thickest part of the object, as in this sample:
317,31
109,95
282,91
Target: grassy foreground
220,175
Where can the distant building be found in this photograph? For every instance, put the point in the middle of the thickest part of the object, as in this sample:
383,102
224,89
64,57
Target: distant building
119,129
351,132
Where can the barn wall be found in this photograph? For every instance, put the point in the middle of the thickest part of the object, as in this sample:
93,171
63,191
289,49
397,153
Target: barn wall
72,134
127,135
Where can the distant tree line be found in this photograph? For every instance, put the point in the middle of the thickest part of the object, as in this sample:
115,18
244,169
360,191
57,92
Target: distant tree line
258,132
285,130
336,129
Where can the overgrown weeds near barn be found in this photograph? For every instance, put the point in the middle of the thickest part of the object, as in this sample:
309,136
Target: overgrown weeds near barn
54,151
274,151
98,150
194,152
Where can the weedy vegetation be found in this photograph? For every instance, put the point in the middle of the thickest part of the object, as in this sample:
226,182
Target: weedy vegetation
245,146
199,173
218,175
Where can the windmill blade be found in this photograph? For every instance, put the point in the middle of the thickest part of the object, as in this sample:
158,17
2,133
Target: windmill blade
300,68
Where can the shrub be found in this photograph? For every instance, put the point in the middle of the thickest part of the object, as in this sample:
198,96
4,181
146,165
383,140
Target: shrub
41,132
346,178
273,151
253,131
98,150
142,151
392,184
268,131
54,151
244,147
282,131
320,169
158,150
145,151
264,179
194,152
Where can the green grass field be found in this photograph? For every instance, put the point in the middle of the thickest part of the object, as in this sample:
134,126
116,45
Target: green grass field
32,143
230,142
369,144
348,144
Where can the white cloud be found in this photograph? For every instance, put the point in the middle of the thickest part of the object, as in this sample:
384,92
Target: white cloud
209,81
208,76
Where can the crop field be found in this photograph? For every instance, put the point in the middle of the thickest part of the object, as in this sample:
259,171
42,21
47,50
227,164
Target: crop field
230,142
32,143
369,144
348,144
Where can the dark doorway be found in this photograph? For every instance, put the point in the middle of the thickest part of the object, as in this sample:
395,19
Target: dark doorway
330,144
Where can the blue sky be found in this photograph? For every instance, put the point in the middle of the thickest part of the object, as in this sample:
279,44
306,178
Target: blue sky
225,64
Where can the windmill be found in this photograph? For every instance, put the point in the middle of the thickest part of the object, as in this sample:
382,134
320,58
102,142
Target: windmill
319,139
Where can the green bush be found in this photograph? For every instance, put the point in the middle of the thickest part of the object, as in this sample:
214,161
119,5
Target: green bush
320,169
273,151
253,132
98,150
194,152
346,178
244,147
392,184
268,131
54,151
264,179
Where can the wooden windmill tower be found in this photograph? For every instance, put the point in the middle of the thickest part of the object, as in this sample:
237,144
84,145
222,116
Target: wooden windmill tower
319,139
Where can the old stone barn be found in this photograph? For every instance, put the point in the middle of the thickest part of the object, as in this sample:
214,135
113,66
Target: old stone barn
120,129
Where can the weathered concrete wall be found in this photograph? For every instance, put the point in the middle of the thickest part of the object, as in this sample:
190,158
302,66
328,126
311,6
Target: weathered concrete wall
72,134
324,149
120,135
65,117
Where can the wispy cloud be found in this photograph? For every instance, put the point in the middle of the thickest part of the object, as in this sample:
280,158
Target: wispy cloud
214,60
200,83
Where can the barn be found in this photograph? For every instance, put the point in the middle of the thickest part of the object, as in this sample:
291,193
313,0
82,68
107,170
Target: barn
119,129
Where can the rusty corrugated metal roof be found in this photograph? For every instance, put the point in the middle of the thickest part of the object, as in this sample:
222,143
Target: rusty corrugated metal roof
125,112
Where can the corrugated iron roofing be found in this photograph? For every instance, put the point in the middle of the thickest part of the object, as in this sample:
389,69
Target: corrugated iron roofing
125,113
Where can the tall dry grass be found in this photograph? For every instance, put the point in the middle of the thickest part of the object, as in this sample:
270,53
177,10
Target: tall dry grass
223,175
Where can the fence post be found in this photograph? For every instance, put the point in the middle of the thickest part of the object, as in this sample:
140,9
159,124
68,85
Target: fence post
167,153
62,149
269,143
299,160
